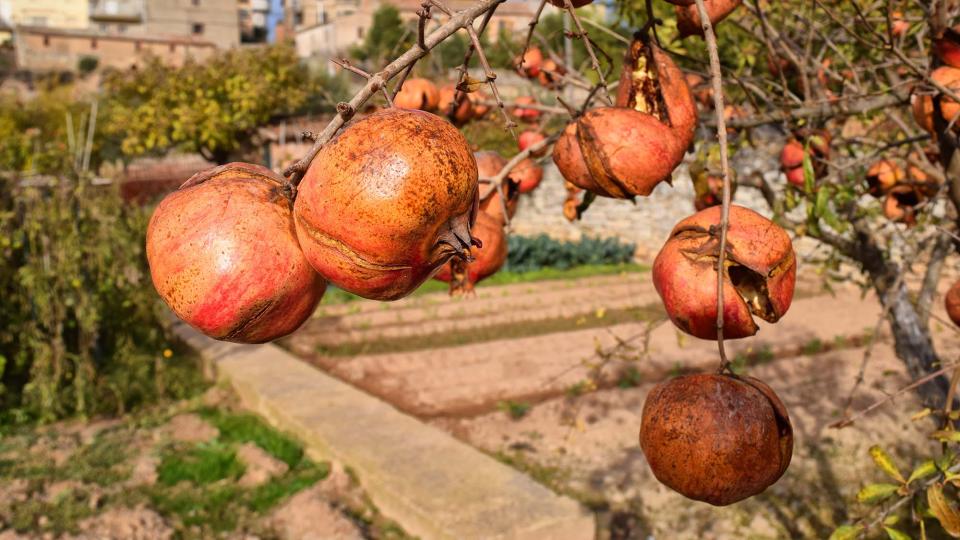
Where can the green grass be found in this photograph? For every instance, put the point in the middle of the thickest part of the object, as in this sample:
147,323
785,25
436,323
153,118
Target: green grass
493,332
242,427
337,296
515,409
201,465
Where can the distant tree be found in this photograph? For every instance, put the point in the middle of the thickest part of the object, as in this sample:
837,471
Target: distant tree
212,107
387,36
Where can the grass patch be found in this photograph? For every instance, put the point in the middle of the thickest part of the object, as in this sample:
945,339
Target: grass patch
611,317
336,296
201,465
515,409
241,428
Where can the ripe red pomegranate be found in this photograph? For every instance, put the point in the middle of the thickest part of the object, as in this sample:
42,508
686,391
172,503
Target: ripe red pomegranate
224,256
882,176
529,138
489,165
487,259
716,438
462,114
791,158
952,302
688,17
387,202
760,274
527,174
532,59
627,150
523,113
417,94
947,46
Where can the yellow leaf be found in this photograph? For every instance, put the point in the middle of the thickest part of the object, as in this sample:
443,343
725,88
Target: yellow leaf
946,513
847,532
923,470
875,493
885,463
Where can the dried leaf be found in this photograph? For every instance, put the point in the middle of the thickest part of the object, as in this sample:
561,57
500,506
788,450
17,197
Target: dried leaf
923,470
946,513
885,463
874,493
922,414
470,85
847,532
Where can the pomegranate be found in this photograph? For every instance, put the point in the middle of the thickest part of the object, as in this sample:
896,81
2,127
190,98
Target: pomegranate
900,205
529,64
224,256
529,138
901,26
479,108
700,88
489,165
928,185
791,158
688,17
551,75
487,259
627,150
947,47
922,104
417,94
760,273
463,112
387,202
882,176
952,302
527,174
524,113
716,438
708,186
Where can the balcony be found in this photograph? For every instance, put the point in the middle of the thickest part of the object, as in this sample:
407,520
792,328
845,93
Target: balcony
123,11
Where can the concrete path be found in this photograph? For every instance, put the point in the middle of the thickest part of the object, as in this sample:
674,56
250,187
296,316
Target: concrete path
433,485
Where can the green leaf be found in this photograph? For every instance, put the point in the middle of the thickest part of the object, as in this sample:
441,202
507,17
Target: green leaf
808,176
885,463
874,493
896,535
923,470
847,532
820,206
946,513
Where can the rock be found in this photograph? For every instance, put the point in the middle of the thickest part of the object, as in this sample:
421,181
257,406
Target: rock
128,523
309,516
260,466
190,428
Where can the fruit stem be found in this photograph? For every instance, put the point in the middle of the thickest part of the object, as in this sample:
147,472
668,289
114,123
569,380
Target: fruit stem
716,78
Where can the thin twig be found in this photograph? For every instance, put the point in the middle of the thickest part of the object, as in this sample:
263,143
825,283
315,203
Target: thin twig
582,34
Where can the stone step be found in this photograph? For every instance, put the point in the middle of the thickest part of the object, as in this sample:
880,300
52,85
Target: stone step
433,485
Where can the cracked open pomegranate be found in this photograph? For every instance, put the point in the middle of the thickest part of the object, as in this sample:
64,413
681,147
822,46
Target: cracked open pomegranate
387,202
487,259
417,94
882,176
224,256
627,150
688,16
716,438
760,273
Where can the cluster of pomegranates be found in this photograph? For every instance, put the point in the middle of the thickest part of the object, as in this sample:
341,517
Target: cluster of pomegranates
422,94
813,145
546,71
901,191
381,208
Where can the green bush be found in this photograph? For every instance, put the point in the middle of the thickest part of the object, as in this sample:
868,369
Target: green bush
80,328
527,254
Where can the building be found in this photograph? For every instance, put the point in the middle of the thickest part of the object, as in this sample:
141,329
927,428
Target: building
213,21
50,13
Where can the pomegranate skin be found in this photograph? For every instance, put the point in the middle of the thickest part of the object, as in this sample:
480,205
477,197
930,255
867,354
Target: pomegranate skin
531,61
224,256
952,303
489,164
625,151
527,175
688,17
716,438
417,94
529,138
946,47
761,273
882,177
792,155
487,260
523,113
388,202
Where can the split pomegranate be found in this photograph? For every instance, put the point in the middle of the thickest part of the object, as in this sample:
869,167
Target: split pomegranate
922,104
716,438
417,94
462,113
489,165
527,174
487,259
627,150
952,302
900,205
387,202
882,176
551,74
759,276
688,17
224,256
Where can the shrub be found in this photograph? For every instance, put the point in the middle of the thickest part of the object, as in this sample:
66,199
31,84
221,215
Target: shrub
87,64
80,328
527,254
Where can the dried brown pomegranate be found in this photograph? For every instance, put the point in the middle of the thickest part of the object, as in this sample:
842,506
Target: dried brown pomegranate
464,111
529,138
627,150
901,204
882,176
952,303
527,174
487,259
716,438
417,94
760,273
524,113
489,165
387,202
224,256
688,17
